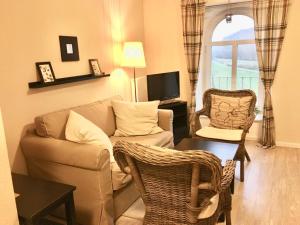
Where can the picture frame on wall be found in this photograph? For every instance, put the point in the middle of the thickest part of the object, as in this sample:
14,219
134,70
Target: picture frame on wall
69,48
94,65
45,72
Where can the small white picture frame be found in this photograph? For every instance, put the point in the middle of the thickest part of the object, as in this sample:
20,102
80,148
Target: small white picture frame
94,65
45,71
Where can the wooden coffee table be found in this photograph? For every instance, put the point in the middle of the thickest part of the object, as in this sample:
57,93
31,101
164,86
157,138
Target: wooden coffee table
38,198
223,151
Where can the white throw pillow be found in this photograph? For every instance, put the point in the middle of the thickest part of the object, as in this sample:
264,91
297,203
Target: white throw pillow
136,118
81,130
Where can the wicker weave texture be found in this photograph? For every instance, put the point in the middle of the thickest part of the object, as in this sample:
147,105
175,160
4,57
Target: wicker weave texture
165,179
242,152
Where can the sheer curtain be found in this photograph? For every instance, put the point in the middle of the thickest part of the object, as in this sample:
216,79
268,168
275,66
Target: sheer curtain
270,18
192,22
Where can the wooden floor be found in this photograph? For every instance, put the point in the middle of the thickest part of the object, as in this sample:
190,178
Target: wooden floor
270,194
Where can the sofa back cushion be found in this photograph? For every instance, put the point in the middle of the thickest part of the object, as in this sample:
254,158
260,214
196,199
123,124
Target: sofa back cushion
136,118
100,113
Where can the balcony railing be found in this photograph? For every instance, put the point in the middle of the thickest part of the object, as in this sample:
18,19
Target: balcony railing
242,83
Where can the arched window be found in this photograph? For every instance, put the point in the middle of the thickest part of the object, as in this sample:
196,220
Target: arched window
233,57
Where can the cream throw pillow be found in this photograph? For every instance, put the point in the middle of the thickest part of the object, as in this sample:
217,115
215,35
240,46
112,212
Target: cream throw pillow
81,130
229,112
136,118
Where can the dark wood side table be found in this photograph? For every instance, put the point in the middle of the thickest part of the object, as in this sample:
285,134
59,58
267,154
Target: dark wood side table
180,116
38,198
223,151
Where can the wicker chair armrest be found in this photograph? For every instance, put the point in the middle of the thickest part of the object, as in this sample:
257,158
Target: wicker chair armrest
203,111
249,122
228,174
196,118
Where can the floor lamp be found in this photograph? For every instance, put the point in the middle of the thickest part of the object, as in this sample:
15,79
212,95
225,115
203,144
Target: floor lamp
133,57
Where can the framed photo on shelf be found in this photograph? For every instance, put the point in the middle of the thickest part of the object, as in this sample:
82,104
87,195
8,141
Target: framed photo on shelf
95,67
45,71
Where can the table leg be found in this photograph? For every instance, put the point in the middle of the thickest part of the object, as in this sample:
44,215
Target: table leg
70,210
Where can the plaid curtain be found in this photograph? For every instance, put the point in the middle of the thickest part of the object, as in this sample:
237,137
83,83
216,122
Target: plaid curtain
192,21
270,23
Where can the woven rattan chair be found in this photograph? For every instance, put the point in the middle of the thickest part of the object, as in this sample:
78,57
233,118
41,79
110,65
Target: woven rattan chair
230,135
178,187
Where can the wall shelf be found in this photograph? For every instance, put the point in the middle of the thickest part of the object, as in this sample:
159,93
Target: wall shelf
65,80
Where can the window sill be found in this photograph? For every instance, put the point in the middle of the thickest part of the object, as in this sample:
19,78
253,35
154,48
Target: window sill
258,118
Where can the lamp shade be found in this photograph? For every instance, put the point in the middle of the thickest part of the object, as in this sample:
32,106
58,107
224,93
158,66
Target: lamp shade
133,55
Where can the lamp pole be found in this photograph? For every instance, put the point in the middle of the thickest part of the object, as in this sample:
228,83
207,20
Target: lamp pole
135,97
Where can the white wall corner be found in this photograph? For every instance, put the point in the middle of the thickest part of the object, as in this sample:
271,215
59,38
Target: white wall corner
8,210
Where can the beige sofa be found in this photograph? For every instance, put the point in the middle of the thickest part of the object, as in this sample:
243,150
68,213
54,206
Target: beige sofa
50,156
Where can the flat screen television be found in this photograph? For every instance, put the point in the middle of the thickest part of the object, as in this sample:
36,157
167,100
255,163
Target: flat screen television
163,86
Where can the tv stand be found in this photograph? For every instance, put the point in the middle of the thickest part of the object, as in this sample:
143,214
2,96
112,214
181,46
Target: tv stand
180,119
169,101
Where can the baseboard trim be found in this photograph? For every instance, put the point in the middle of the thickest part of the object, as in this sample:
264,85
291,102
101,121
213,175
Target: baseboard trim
251,138
287,144
278,143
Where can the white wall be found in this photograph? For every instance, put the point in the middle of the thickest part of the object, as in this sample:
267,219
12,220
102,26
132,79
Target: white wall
286,86
164,51
29,34
8,211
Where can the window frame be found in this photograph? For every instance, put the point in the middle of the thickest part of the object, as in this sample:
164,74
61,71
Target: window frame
214,15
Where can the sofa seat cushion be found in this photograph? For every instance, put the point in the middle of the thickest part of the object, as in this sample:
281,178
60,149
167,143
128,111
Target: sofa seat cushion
163,139
119,179
220,134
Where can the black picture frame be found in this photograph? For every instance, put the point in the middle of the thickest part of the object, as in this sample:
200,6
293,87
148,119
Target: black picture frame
95,67
45,72
69,48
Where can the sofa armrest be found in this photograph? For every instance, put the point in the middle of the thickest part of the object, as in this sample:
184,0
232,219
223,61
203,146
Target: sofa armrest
64,152
165,119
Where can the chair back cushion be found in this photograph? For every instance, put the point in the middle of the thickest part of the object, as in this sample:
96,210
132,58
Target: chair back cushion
229,112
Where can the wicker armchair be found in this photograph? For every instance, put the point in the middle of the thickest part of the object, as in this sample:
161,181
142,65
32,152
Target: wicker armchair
178,187
230,135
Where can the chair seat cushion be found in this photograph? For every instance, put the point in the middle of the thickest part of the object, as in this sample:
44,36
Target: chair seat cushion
136,211
221,134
